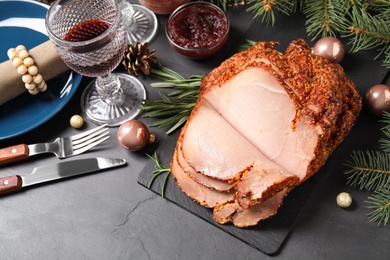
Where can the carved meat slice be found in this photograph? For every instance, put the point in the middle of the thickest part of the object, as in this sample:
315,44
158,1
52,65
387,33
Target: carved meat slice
211,183
204,196
233,212
226,150
213,148
262,181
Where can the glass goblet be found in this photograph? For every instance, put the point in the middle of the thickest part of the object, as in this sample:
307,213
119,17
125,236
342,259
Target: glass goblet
90,38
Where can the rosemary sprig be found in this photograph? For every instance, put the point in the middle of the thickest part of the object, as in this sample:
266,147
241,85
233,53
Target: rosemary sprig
158,170
175,107
248,43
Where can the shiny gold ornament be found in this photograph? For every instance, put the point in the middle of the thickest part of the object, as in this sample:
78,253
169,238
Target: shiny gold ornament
138,59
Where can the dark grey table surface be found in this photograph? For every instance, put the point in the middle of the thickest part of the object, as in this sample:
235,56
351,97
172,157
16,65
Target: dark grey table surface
108,215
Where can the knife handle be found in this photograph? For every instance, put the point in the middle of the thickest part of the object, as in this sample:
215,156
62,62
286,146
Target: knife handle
10,184
14,154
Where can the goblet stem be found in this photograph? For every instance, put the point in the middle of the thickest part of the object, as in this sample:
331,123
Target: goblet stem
109,89
113,99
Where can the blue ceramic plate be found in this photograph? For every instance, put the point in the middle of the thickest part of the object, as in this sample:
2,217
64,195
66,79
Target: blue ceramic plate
23,22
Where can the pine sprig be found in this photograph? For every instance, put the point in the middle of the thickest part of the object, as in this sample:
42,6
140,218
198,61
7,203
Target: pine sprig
368,170
158,170
325,18
379,202
267,9
368,32
385,142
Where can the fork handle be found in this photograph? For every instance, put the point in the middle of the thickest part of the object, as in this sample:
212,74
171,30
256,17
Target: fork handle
14,153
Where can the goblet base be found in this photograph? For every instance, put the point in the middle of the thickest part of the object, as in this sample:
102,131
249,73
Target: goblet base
144,27
120,107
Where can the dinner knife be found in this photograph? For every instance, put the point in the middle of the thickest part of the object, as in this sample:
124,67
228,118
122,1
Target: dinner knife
57,171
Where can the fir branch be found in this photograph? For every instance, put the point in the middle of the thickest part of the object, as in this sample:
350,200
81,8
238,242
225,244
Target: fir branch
385,143
325,18
379,202
268,8
158,170
368,31
369,170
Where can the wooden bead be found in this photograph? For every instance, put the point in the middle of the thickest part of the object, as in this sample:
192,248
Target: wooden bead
30,86
33,70
28,61
37,79
11,53
23,54
42,87
20,48
22,69
33,91
27,78
16,62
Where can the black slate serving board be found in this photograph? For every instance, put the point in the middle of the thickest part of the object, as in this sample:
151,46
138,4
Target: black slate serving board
269,235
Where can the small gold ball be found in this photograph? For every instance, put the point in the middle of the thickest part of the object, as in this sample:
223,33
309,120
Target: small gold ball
344,200
76,121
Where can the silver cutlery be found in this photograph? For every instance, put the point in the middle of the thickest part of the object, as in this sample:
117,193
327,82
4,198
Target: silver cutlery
57,171
62,147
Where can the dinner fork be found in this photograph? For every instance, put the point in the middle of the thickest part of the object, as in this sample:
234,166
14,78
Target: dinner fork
62,147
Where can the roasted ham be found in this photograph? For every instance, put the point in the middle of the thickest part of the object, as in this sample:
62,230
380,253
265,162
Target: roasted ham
264,122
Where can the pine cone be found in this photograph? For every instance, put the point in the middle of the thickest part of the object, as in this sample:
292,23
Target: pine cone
138,58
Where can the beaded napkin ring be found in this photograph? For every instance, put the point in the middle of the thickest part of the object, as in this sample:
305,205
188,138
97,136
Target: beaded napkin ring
24,64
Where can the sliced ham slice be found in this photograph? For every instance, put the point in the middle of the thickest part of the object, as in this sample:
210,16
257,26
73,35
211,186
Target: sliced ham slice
232,212
204,196
218,137
213,148
209,182
264,180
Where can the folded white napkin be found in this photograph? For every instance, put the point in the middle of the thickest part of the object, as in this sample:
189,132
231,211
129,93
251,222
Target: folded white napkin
49,65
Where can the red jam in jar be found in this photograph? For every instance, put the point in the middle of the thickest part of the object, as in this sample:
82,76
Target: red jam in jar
198,26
